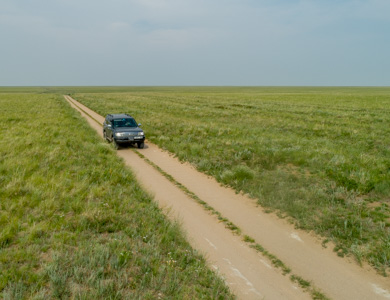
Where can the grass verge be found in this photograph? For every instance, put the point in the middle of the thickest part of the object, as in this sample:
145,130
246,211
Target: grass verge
315,293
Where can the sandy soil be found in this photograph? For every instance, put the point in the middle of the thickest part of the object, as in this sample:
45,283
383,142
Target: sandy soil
248,273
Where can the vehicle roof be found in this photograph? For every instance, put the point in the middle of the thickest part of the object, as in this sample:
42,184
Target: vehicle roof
118,116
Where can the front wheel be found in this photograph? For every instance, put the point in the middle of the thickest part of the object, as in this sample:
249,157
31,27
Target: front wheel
105,136
141,145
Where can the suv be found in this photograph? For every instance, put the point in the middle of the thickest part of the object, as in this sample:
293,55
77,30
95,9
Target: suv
123,129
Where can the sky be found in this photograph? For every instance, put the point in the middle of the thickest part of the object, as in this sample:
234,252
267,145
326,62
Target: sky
195,42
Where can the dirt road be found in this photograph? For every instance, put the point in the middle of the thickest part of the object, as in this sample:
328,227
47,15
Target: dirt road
249,274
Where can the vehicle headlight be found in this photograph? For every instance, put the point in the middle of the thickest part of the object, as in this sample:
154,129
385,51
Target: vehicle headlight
119,134
140,133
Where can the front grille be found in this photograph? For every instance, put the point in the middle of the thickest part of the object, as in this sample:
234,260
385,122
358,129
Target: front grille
126,134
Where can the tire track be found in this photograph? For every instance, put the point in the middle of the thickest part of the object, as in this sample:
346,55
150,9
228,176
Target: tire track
246,271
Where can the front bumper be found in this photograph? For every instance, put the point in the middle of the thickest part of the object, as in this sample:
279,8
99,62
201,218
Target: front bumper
129,139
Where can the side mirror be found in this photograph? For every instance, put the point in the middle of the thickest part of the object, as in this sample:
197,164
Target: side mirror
139,124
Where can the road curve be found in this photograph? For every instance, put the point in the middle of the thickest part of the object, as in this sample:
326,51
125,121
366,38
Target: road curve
247,272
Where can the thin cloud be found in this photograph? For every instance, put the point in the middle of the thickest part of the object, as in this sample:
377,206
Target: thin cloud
248,42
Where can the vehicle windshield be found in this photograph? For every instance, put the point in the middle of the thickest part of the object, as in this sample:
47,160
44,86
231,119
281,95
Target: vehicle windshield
127,122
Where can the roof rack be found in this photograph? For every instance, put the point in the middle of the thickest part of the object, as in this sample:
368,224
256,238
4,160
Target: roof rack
111,116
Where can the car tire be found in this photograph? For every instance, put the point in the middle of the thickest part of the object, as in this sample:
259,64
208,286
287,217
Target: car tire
141,145
105,136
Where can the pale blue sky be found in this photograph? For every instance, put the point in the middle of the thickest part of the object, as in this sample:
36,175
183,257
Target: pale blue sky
194,42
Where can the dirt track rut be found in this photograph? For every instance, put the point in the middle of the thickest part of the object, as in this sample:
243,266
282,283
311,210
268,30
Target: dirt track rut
248,273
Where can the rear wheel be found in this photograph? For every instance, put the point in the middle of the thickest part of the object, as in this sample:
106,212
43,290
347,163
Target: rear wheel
141,145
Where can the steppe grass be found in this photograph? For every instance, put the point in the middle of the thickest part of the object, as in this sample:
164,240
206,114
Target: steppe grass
319,156
73,221
307,286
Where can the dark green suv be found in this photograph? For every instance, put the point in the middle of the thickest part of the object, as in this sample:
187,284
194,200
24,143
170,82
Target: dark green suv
123,129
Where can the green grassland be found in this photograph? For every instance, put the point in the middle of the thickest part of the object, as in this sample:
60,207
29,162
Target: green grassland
73,221
319,156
